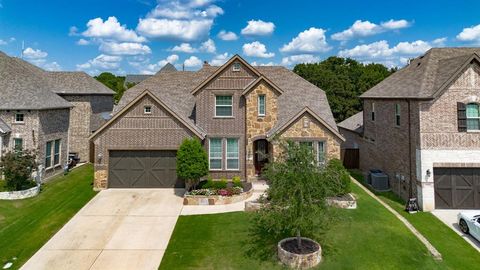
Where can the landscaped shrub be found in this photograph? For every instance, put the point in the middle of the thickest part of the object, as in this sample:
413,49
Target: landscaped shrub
192,162
339,183
237,182
203,192
229,191
17,168
220,184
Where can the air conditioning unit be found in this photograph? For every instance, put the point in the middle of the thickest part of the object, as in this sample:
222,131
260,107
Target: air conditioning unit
369,177
379,181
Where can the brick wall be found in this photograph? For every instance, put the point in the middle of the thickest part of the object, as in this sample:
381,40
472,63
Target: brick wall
27,131
137,131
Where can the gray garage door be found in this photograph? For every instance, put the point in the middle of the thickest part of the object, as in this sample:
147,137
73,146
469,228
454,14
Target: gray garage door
143,169
457,188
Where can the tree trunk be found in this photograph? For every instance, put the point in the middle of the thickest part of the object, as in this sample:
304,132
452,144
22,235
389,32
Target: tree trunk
299,239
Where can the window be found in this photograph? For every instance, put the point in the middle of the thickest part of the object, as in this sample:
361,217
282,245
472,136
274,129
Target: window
473,116
215,154
223,106
56,152
236,66
309,145
321,152
232,154
48,155
373,111
19,118
261,105
147,109
17,144
397,114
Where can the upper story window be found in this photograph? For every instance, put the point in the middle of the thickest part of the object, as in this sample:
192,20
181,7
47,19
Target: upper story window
223,106
236,66
147,109
397,114
261,105
473,117
19,118
372,114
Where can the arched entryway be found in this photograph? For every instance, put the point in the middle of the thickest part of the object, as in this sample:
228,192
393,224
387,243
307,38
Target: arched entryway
261,155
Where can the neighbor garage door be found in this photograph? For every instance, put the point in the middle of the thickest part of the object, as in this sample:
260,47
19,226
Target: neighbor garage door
142,169
457,188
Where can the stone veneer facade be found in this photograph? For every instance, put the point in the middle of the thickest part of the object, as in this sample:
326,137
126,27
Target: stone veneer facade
258,126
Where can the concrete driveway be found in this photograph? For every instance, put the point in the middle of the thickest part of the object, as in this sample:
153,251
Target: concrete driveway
117,229
449,217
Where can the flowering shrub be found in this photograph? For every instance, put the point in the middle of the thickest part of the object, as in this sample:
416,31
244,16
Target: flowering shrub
203,191
222,192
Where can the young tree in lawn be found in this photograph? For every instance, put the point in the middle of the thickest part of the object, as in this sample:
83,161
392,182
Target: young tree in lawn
17,167
192,162
296,196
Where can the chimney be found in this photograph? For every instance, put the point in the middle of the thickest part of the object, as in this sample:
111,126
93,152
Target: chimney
206,64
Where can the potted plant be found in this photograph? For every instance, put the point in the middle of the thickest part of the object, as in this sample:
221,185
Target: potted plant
297,211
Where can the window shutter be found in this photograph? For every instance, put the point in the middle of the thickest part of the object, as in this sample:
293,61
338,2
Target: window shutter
461,117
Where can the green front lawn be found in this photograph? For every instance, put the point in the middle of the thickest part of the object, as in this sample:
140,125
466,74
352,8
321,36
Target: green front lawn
25,225
369,237
456,252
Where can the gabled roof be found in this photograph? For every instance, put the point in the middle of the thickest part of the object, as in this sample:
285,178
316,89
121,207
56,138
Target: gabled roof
260,79
136,78
4,128
77,83
425,75
25,87
354,123
279,128
195,130
236,57
168,68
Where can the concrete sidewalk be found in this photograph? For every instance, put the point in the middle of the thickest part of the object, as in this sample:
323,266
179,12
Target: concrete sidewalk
118,229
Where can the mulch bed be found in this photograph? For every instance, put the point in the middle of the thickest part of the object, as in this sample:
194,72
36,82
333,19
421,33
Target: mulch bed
306,247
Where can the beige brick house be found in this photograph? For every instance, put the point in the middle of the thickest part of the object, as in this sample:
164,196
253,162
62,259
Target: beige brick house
48,112
421,126
238,111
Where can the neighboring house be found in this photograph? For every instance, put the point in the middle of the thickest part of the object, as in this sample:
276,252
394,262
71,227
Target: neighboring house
35,114
133,79
352,130
236,110
421,126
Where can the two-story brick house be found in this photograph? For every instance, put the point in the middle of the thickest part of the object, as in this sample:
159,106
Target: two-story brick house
51,113
238,111
421,126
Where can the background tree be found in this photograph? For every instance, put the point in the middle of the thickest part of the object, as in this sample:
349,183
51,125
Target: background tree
17,167
343,80
116,83
192,162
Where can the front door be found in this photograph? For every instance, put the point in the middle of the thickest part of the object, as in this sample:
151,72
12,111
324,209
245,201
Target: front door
261,155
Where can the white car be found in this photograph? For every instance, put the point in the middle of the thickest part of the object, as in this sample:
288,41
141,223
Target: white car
469,223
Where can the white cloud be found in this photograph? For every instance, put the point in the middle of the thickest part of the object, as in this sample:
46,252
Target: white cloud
193,61
32,54
227,36
254,63
184,47
439,42
105,62
365,28
395,24
175,29
220,59
300,58
312,40
53,66
258,28
471,33
3,42
144,67
111,29
180,20
125,48
73,31
83,42
208,46
256,49
381,52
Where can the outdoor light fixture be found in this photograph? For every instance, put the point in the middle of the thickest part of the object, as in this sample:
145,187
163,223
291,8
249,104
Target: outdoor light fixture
100,157
429,173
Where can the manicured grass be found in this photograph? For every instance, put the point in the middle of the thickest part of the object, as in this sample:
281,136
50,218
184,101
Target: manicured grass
456,252
25,225
369,237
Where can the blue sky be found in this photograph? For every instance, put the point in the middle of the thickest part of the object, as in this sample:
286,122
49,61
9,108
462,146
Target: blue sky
140,36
